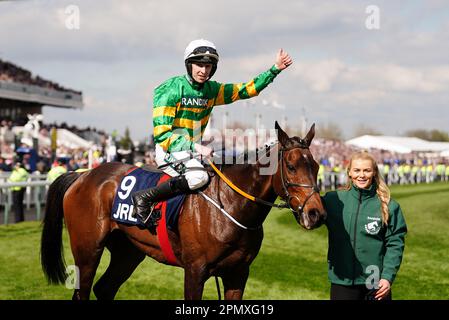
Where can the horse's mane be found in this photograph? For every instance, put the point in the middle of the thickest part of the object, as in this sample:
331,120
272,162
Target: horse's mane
241,159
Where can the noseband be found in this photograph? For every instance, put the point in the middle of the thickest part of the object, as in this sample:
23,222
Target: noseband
287,184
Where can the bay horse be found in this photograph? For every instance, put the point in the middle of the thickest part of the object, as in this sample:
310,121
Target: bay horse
207,243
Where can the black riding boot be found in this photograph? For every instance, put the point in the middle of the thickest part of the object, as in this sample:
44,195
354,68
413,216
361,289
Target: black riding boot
145,200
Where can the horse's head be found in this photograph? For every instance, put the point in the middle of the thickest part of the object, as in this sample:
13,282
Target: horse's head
296,178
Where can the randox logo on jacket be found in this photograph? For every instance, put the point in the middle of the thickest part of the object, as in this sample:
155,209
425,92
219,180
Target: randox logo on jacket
374,226
186,101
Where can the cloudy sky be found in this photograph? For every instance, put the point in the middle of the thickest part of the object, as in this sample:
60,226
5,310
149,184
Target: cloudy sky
379,64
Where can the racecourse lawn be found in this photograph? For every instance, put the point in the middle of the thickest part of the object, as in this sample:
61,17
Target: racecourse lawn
291,264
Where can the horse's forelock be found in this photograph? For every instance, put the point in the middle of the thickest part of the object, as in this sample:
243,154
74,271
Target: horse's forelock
296,142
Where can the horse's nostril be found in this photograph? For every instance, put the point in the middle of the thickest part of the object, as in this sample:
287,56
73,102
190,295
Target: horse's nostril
313,215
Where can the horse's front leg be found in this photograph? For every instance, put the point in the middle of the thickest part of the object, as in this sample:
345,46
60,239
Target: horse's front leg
234,283
194,279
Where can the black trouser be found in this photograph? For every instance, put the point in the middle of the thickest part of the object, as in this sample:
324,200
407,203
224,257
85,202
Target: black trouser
356,292
17,201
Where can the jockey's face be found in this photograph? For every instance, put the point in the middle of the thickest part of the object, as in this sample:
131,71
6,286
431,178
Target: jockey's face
361,173
201,71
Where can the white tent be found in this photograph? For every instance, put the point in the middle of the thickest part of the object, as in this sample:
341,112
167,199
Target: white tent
71,140
397,144
440,146
64,138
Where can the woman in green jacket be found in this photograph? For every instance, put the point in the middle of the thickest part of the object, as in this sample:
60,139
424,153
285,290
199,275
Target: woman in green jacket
366,234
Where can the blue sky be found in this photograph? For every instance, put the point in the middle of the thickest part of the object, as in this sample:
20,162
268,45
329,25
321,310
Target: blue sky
392,79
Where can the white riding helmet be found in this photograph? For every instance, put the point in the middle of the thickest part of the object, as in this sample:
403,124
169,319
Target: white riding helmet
202,51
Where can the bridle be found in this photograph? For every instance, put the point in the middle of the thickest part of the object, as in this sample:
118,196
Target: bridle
287,184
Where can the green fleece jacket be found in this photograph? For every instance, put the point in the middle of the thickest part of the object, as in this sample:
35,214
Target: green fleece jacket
361,248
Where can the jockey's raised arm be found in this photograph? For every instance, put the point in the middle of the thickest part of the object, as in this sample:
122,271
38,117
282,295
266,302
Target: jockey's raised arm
182,106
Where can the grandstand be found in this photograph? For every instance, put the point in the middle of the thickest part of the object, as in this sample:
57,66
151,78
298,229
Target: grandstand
23,93
22,96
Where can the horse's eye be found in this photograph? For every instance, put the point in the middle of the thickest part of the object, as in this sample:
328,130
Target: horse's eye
290,167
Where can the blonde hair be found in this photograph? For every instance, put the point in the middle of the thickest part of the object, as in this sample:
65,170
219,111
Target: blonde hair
383,192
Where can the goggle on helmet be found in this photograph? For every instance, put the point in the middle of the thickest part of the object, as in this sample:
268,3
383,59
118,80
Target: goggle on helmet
201,51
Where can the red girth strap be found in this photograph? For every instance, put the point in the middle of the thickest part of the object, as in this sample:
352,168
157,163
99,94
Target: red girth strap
161,229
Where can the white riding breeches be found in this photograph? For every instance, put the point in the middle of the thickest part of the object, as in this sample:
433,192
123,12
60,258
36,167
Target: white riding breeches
195,178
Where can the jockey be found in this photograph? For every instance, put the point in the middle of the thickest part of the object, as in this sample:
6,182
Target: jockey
181,109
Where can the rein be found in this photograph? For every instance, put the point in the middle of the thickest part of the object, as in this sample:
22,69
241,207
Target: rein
243,193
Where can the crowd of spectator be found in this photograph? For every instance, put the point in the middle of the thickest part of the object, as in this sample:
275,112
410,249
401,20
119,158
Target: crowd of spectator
12,149
335,153
396,168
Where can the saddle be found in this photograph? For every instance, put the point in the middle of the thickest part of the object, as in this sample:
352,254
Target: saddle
138,179
152,169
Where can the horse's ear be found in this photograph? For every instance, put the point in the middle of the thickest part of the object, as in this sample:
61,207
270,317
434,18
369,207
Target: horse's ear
310,135
282,136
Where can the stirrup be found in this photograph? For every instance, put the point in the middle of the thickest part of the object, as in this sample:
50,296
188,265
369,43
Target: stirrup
151,220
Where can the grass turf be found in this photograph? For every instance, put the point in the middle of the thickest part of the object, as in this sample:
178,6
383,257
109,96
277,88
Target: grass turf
291,264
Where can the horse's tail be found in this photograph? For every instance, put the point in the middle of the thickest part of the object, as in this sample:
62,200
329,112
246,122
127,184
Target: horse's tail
52,255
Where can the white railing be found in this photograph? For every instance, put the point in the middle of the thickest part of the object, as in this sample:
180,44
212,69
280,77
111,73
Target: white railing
35,194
